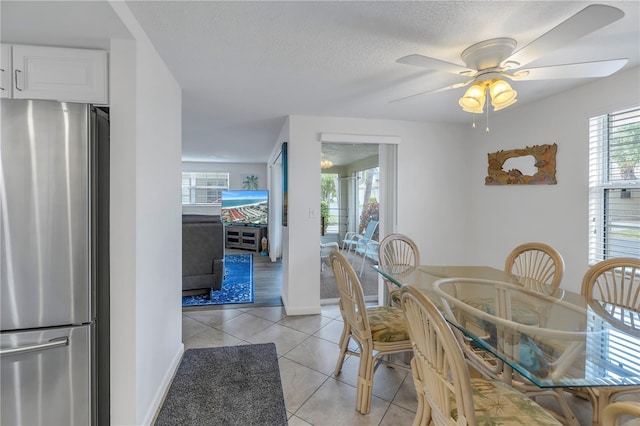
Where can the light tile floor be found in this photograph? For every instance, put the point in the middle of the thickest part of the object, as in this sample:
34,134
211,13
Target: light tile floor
307,349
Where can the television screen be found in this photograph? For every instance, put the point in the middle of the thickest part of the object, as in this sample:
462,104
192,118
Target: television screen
245,207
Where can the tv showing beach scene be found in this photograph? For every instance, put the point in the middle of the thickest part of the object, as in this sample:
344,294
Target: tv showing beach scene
245,207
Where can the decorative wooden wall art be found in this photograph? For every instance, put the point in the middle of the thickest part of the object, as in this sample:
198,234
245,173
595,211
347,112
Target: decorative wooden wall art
545,161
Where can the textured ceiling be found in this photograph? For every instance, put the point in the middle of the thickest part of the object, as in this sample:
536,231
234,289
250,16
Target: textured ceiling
245,66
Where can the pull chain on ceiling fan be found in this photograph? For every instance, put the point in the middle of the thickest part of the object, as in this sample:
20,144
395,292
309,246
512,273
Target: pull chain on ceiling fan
490,62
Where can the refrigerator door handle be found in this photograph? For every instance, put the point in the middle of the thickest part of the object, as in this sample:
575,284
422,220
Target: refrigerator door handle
53,343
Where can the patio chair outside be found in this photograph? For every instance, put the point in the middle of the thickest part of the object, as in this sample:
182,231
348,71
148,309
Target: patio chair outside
352,238
325,252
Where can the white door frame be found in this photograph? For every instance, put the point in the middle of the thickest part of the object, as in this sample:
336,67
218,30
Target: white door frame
388,166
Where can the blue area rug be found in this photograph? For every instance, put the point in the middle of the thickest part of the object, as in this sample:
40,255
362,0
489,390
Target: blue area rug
237,286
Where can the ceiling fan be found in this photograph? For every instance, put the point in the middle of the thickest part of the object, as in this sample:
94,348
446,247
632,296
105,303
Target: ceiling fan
490,62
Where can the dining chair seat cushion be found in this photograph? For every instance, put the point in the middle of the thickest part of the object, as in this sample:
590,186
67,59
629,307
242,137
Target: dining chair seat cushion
495,403
520,313
388,324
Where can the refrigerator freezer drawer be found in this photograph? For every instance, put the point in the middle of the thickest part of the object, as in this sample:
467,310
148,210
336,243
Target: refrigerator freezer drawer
45,377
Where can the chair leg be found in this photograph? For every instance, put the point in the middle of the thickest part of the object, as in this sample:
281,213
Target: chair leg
599,401
344,344
365,379
364,258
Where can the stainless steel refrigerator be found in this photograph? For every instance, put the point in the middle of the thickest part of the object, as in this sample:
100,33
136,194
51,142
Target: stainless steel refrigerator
49,271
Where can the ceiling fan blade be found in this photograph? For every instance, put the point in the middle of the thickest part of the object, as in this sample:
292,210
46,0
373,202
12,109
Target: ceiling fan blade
442,89
578,70
588,20
434,64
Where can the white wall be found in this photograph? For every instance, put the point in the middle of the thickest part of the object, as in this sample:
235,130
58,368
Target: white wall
122,60
235,170
432,206
505,216
146,312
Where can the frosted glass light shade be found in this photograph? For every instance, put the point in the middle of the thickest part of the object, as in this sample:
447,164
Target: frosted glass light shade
502,95
473,99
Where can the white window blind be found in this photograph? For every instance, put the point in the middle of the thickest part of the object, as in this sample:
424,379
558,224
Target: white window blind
614,185
610,354
203,188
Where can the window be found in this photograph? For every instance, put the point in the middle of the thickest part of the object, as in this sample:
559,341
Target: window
614,185
610,353
203,188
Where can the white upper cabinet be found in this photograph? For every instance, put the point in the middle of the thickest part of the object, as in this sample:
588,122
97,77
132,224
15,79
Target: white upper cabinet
63,74
5,72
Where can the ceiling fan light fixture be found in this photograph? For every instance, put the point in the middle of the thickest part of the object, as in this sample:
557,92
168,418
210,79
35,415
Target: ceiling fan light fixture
498,87
499,106
473,99
468,102
475,110
325,164
502,95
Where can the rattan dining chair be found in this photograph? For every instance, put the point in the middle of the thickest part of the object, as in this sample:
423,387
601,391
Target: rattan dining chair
537,267
615,281
534,264
377,331
489,365
446,393
623,413
397,249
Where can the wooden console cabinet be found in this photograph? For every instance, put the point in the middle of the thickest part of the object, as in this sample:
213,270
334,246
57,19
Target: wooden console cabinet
244,237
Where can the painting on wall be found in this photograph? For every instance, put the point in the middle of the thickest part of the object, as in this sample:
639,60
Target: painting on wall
249,182
284,184
544,162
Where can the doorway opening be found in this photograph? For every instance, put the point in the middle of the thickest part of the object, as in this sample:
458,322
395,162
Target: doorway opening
350,199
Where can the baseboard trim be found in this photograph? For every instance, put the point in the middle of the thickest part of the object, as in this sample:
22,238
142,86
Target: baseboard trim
368,299
158,399
302,310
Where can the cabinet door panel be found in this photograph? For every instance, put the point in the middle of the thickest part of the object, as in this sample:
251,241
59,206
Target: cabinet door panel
74,75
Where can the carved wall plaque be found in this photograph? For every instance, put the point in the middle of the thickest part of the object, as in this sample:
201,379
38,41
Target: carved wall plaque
545,162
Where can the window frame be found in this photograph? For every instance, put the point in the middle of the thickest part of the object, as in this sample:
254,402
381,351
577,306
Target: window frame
192,187
605,180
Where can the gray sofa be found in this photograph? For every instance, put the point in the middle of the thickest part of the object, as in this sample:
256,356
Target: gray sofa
202,253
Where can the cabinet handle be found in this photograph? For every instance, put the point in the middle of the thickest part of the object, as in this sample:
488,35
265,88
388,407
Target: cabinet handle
1,70
16,79
54,343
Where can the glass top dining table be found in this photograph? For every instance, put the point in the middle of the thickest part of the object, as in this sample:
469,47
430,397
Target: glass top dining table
553,337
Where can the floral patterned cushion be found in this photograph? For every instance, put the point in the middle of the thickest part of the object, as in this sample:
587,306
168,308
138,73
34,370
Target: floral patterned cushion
498,404
387,324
